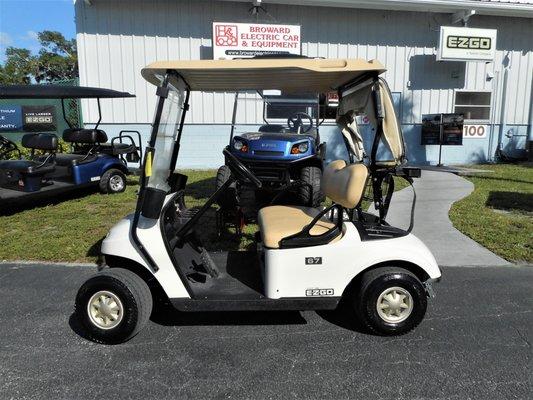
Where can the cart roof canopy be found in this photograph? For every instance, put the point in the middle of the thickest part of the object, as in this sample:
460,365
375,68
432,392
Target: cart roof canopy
52,91
290,74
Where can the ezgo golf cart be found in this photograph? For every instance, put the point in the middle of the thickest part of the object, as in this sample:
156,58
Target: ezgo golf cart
93,160
307,258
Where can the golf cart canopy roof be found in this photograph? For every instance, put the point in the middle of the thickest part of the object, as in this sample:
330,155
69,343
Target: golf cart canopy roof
289,74
52,91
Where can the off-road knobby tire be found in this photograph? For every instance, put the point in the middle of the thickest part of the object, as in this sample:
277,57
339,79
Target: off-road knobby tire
372,284
310,192
227,199
135,296
104,184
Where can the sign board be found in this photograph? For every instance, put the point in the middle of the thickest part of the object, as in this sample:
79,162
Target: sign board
442,129
475,131
430,129
245,40
39,118
452,129
466,44
10,118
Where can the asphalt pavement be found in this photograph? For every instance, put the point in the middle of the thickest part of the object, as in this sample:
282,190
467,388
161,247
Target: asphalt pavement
475,343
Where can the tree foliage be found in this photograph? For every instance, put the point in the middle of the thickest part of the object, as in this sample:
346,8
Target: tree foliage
56,60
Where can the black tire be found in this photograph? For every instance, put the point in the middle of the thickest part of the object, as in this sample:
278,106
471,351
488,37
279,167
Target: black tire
133,293
227,199
376,282
112,181
310,192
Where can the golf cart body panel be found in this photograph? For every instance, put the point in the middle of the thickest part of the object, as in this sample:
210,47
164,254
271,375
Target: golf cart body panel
91,159
293,272
119,243
318,255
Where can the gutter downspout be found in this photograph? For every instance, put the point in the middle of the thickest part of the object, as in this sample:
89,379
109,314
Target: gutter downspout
503,108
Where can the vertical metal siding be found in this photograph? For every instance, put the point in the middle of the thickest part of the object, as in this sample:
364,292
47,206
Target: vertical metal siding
116,39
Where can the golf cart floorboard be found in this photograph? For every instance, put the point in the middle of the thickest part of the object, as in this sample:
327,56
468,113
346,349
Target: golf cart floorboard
238,287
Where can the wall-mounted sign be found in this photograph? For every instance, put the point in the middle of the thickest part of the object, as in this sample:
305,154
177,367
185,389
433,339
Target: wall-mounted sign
442,129
39,118
10,118
466,44
245,40
475,131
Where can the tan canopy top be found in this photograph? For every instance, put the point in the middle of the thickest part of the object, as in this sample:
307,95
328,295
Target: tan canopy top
290,74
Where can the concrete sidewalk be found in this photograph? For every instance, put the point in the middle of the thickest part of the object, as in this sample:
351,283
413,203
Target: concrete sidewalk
436,191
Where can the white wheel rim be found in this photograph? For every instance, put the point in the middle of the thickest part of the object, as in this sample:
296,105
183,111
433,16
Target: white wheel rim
116,183
394,305
105,310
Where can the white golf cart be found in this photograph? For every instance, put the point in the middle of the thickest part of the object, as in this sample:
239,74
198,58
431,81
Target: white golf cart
307,258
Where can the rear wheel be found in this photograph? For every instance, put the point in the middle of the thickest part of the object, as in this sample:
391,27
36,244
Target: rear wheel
113,306
390,301
227,199
310,192
113,181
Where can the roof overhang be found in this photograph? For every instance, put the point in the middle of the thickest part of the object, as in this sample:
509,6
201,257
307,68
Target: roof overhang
51,91
482,7
296,75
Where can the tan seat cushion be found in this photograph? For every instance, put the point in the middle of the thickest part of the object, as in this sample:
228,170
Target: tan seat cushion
344,184
278,222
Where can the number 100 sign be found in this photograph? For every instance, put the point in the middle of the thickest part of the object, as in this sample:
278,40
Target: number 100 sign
474,131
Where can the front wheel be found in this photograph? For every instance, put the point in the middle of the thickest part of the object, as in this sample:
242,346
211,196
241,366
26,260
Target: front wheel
113,306
113,181
390,301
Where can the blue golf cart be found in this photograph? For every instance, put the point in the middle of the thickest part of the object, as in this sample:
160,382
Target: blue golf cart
285,153
93,159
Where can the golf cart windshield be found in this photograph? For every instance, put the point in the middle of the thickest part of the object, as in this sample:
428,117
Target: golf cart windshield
357,82
272,109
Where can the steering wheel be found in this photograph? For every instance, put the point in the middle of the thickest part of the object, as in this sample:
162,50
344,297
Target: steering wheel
296,123
6,147
240,170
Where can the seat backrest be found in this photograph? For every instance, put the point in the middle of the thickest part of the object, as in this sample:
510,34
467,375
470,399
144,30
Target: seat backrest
84,136
344,184
272,128
40,141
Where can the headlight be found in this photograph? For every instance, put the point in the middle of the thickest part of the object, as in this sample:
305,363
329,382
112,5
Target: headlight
302,147
237,145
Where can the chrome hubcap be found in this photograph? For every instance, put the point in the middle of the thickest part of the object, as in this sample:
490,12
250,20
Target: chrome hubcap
105,310
116,183
394,305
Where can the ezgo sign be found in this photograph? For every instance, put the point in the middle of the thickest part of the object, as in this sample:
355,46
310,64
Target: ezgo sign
245,40
466,44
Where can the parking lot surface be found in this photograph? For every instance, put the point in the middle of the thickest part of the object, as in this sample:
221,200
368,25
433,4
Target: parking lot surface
475,343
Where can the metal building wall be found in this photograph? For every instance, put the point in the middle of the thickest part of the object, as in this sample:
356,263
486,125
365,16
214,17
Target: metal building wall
117,38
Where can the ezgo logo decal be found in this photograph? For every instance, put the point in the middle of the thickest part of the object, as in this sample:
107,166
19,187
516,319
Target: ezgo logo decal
319,292
465,42
313,260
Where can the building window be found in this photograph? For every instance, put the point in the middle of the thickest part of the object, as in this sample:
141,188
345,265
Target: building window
473,105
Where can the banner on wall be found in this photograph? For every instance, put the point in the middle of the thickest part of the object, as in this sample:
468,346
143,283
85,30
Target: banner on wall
245,40
39,118
10,118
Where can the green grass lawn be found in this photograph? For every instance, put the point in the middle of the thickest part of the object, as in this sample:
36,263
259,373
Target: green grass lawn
72,228
499,213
